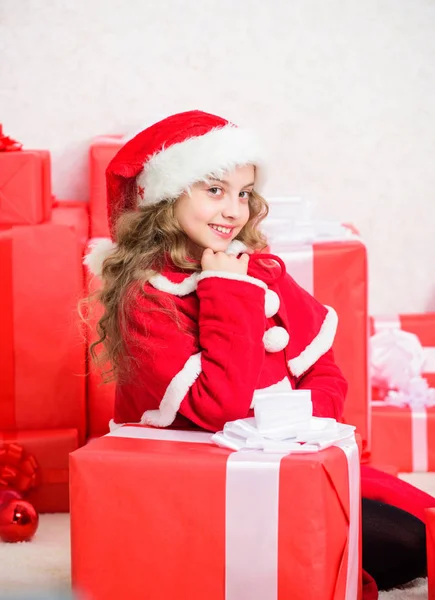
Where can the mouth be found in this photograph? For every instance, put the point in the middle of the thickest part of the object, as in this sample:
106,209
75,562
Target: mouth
222,230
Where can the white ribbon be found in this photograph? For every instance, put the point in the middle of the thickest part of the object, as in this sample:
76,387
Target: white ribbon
252,503
291,222
251,526
392,324
429,359
419,440
350,449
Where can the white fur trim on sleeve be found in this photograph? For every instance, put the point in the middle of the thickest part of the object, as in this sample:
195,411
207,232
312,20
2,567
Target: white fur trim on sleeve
114,426
236,247
175,392
318,347
232,276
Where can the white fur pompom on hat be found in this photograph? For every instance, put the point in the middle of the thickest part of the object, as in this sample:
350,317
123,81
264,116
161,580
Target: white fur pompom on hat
98,250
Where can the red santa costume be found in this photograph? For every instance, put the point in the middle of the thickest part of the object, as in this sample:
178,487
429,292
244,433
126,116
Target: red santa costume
237,335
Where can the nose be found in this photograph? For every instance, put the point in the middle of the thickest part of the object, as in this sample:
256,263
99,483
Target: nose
231,209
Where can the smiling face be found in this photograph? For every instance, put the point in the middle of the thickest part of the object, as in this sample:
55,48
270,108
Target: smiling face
214,212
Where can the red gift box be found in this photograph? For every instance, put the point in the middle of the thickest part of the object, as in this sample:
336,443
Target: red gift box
74,214
25,187
403,436
42,350
101,152
335,273
48,450
423,326
173,516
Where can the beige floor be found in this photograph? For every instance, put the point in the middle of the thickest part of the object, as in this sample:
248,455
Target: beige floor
424,481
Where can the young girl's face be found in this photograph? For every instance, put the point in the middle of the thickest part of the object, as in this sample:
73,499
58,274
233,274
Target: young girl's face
214,212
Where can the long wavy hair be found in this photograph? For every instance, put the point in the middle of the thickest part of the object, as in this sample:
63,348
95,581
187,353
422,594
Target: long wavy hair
145,237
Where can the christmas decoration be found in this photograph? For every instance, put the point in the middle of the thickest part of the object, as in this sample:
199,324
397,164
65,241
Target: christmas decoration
18,521
18,469
7,144
8,495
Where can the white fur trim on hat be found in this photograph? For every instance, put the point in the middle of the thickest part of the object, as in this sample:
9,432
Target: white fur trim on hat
99,250
276,339
318,347
170,172
174,395
271,303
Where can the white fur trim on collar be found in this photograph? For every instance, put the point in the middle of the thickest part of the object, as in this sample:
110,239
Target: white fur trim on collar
170,172
236,247
98,250
183,288
318,347
174,395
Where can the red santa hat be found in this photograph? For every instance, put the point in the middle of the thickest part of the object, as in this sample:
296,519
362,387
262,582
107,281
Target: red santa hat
164,160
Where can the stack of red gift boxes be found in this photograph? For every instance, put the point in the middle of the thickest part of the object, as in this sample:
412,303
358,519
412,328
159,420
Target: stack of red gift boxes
42,350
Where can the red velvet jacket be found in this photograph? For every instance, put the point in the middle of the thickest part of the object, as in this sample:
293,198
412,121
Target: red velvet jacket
235,335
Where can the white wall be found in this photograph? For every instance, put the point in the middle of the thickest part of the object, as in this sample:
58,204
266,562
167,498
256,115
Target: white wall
342,91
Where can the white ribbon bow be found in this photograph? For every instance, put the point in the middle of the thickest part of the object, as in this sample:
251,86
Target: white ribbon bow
283,424
396,362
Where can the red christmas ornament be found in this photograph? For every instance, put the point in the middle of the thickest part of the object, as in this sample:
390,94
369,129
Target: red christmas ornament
18,521
8,495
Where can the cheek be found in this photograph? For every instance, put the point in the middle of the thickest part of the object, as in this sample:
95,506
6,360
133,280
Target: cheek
205,213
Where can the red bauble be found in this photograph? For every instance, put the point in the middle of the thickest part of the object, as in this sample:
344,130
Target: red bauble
8,495
18,521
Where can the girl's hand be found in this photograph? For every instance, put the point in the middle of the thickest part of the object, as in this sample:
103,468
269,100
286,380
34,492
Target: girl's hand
219,261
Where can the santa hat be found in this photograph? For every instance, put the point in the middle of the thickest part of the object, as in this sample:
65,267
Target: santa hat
161,162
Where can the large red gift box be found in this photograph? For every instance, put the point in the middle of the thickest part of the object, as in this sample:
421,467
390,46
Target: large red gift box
422,325
25,187
42,350
47,451
335,273
101,152
165,514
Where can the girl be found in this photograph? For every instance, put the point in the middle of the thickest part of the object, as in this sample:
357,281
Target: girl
197,319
